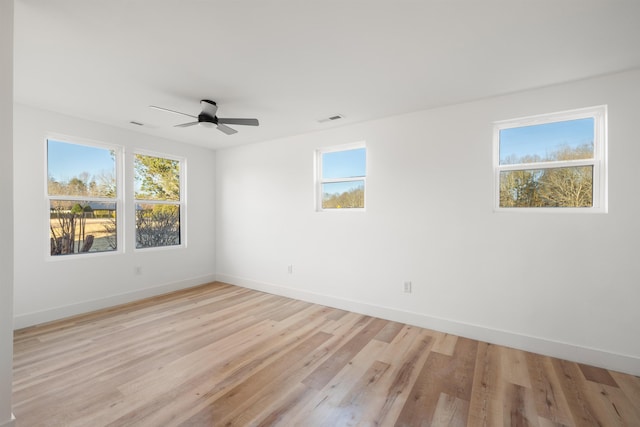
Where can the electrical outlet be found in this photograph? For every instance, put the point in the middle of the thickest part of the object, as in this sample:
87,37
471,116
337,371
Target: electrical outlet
138,270
407,287
290,269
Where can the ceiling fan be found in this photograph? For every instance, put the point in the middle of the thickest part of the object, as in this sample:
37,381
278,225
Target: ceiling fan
208,118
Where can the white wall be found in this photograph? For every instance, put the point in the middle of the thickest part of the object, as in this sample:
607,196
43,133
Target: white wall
47,288
565,285
6,217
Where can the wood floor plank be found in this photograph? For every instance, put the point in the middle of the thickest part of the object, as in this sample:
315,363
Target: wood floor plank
519,408
452,375
630,386
545,422
568,375
389,332
353,405
328,399
349,375
551,403
405,355
229,407
612,404
284,407
219,354
487,397
450,411
445,343
514,367
323,374
598,375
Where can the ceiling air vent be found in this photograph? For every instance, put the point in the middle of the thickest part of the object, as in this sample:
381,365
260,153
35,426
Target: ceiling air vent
331,118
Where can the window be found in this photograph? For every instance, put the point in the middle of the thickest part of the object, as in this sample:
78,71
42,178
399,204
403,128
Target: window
82,193
555,162
341,177
158,201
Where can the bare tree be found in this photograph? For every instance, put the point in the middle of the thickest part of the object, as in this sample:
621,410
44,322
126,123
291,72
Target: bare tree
567,186
353,198
157,225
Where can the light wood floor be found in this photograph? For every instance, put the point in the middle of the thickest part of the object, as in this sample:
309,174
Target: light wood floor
220,355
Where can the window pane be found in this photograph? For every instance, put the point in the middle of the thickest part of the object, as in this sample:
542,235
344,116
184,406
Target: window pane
81,227
566,140
80,170
156,178
343,195
555,187
344,164
157,225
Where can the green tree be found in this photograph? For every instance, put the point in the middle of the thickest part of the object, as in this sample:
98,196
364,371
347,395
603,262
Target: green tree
158,178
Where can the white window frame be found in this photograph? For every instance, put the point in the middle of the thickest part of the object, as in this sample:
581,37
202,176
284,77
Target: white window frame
598,162
181,203
320,180
118,200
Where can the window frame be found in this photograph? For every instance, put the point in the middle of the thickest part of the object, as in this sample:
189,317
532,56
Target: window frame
320,180
182,205
118,200
598,162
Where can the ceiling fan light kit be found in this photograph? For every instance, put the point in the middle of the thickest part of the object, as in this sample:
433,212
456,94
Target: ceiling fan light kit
208,118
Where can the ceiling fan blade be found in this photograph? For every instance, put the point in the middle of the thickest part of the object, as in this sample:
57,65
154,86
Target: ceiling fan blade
245,122
226,129
185,125
209,107
172,111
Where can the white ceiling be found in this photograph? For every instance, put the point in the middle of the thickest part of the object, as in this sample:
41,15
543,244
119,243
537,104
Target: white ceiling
290,63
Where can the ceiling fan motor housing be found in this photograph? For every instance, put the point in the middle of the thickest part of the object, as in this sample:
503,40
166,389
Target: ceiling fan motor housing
208,115
205,119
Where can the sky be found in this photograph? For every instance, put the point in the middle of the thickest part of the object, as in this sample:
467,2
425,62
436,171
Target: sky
544,138
66,161
343,164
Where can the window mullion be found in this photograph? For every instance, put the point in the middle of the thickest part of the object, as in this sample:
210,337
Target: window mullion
350,179
548,165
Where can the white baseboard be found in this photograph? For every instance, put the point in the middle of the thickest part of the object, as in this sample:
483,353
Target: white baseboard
9,423
35,318
575,353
